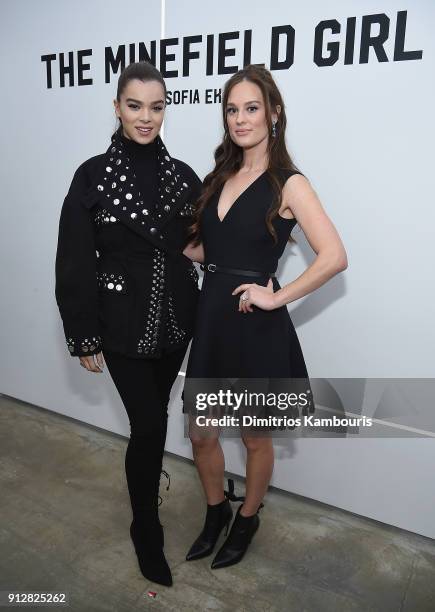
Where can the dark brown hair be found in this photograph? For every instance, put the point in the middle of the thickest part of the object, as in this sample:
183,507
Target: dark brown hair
143,71
229,156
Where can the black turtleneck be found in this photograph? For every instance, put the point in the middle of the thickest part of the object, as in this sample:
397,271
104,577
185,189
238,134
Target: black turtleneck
143,158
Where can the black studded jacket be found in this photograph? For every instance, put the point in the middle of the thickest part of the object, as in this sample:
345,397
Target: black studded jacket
122,282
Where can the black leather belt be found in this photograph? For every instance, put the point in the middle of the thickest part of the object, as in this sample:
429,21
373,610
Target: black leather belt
211,267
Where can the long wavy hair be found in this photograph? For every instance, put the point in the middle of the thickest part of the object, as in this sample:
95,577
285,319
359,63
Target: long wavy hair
229,156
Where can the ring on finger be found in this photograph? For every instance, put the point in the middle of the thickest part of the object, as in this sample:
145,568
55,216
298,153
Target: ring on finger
244,297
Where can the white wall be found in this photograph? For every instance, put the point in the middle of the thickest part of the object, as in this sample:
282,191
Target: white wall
362,133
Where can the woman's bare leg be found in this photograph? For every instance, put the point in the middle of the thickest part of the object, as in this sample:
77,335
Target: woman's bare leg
259,468
209,461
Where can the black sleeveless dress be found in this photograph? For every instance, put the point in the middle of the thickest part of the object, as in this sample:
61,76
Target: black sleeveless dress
228,343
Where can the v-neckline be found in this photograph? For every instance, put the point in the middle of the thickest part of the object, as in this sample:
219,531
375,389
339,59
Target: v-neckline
236,200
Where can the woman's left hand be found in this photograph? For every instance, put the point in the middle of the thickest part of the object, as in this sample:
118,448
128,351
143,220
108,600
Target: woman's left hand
257,295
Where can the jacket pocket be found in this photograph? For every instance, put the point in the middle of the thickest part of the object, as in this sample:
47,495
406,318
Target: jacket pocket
112,282
114,304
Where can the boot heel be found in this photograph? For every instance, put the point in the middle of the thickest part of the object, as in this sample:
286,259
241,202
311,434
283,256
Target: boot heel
227,526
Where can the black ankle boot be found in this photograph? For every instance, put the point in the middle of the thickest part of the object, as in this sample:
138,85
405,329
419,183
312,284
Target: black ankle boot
147,540
237,542
218,516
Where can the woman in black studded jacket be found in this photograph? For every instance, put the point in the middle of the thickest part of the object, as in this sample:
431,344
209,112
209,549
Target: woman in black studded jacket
126,291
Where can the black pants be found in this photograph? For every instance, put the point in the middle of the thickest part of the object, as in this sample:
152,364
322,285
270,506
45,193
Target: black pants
144,386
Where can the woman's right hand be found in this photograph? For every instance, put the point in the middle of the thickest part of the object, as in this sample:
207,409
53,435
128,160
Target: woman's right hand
93,363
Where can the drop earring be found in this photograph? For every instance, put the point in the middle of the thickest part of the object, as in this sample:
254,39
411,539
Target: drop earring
273,129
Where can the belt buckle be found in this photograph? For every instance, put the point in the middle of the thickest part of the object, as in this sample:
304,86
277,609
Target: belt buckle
211,267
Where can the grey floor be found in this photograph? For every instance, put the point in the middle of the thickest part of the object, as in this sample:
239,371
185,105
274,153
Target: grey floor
65,514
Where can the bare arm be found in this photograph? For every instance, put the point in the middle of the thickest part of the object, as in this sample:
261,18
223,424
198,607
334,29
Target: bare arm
194,253
300,199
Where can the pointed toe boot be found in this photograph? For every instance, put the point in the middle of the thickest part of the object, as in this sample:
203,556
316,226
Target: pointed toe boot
238,540
148,544
218,516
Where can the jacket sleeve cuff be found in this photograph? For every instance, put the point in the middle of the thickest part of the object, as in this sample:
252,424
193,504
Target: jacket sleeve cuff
83,347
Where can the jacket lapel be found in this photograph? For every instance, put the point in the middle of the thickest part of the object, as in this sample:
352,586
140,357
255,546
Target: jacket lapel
115,186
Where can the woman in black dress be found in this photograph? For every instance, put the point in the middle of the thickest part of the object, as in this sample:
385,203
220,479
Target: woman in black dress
125,289
250,203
